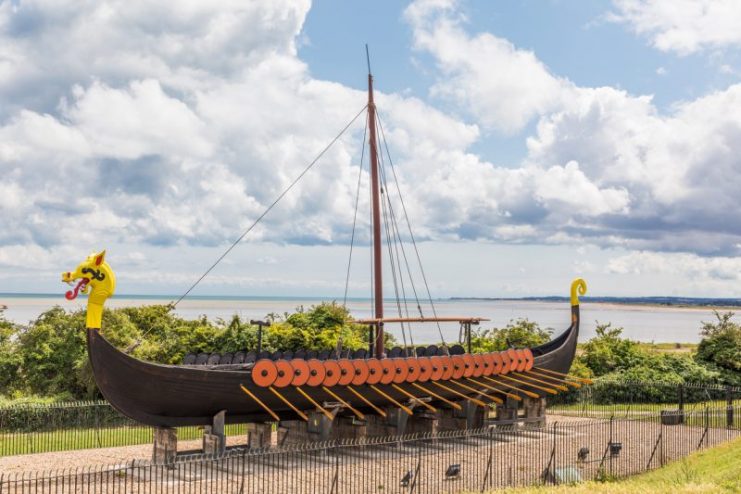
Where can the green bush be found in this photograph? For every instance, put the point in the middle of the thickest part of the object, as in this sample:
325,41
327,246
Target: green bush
519,333
720,348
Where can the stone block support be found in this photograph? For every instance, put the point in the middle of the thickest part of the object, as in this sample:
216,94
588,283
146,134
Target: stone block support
165,445
214,438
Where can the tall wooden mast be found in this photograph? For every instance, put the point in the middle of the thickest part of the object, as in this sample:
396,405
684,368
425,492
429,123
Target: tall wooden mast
376,205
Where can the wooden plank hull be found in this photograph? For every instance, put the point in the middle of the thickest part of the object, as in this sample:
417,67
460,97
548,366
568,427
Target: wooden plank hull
174,396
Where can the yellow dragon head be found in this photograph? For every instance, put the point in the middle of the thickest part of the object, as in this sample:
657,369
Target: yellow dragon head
96,279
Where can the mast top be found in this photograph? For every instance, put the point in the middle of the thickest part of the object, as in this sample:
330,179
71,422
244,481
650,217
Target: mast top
367,58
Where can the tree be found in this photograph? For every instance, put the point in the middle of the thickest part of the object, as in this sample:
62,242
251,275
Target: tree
608,352
720,347
519,333
9,359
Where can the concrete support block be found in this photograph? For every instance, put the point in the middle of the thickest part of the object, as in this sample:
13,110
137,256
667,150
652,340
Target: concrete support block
214,437
165,445
534,409
259,436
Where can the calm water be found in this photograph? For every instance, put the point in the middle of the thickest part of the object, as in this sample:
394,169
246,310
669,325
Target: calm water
641,323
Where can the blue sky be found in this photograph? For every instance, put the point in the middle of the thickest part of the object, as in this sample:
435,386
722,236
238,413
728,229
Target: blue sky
535,141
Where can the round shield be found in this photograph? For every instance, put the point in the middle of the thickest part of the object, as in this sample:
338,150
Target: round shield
276,355
457,350
332,373
238,358
389,371
347,372
264,373
425,369
288,355
323,355
190,359
478,368
488,363
520,360
431,351
506,362
468,364
529,359
265,354
316,372
213,359
250,358
459,366
497,363
359,353
395,352
285,373
513,360
300,372
420,351
401,369
447,368
437,368
300,353
375,371
415,368
361,371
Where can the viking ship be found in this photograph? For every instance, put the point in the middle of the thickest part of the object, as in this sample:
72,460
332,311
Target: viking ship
262,387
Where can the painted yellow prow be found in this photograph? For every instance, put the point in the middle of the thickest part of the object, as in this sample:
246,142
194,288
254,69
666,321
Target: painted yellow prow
578,287
97,280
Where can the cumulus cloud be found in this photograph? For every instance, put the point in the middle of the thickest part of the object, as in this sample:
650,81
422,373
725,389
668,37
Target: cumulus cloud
179,126
682,26
690,266
603,166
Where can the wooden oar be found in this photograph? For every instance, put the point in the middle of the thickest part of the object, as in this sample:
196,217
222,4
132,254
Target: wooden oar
259,402
414,398
569,376
554,379
466,397
542,388
511,386
437,396
367,402
315,403
496,390
285,400
473,390
558,386
405,408
344,403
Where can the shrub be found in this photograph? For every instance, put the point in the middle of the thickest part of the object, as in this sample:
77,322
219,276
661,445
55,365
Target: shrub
519,333
720,348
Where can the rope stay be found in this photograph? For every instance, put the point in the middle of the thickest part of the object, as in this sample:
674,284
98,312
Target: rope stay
409,227
355,215
269,208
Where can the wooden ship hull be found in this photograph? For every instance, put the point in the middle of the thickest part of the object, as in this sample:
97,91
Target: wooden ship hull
182,395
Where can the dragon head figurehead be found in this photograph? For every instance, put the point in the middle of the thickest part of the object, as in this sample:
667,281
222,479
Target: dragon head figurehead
96,279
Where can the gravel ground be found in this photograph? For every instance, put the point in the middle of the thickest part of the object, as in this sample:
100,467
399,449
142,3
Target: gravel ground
500,459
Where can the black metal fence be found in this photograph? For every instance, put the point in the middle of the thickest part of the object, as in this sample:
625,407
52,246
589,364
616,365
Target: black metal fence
27,429
472,460
46,428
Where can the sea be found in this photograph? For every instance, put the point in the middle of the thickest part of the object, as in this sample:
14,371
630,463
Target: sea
643,323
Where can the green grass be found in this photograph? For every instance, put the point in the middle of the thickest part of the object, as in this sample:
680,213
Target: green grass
21,443
638,407
716,470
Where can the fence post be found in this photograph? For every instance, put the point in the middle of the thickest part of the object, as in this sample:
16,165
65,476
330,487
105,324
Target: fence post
729,407
612,419
680,397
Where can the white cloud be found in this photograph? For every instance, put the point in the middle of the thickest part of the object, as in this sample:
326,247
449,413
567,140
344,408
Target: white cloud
690,266
503,86
683,26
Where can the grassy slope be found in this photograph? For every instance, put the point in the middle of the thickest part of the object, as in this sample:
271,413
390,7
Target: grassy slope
716,470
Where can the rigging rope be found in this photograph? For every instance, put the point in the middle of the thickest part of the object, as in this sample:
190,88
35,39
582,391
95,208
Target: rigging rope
409,227
282,194
396,259
355,215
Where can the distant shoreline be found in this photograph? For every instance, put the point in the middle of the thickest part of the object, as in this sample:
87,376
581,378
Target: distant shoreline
664,302
668,302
